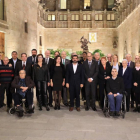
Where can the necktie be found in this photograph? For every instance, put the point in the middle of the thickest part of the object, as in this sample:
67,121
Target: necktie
63,62
23,66
128,64
47,60
89,63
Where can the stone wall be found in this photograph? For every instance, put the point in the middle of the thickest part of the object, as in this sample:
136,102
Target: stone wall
69,39
129,34
17,12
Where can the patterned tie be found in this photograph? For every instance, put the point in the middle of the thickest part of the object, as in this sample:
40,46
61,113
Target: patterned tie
23,66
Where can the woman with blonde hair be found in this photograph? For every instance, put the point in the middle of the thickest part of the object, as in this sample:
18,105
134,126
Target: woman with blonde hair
114,63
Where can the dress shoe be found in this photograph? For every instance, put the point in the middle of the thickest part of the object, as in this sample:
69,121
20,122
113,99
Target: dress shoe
132,105
71,109
50,105
94,109
117,113
135,110
127,109
66,104
112,113
86,108
55,108
58,107
78,109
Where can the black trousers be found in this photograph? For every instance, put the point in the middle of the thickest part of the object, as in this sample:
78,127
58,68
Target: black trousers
74,93
102,89
41,88
83,92
90,92
5,87
64,95
137,98
128,90
17,98
50,94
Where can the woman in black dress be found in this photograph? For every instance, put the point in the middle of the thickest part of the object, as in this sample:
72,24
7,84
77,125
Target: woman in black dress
136,84
57,80
104,74
42,79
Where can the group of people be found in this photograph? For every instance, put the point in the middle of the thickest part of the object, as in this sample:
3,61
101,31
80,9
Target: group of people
57,78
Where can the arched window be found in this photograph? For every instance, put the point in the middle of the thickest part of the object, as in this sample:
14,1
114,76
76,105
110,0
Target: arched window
2,9
63,4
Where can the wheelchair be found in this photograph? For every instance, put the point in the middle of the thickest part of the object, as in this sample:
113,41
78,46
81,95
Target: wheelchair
122,109
25,107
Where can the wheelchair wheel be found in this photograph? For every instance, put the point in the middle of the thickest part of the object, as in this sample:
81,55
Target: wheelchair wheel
12,111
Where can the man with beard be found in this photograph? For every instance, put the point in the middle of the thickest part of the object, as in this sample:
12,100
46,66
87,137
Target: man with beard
32,59
74,80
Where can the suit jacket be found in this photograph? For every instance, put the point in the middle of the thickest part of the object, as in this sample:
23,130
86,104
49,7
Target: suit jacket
75,78
66,62
92,72
132,65
51,62
104,72
127,77
29,60
11,62
28,81
19,67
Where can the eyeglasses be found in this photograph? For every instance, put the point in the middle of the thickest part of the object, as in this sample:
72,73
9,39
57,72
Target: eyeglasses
39,57
136,58
21,73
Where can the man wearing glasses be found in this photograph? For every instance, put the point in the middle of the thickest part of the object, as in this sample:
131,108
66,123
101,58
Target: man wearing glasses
109,58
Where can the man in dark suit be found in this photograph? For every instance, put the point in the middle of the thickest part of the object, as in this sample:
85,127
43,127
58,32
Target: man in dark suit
97,57
74,80
1,61
109,58
131,64
49,61
84,58
65,62
32,59
115,88
91,73
13,61
126,73
23,65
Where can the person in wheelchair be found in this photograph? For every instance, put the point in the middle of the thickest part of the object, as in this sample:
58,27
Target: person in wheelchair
23,85
115,88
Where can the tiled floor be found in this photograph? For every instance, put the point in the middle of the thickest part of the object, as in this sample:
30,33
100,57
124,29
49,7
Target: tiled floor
65,125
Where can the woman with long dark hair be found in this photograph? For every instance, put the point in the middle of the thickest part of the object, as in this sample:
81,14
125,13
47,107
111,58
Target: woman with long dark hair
42,79
57,80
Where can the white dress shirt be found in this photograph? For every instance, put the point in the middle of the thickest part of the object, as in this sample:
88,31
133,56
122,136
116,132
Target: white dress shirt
116,67
33,59
47,60
75,67
14,62
24,63
124,69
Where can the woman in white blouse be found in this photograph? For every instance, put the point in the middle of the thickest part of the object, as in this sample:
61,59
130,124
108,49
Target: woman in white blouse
114,63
